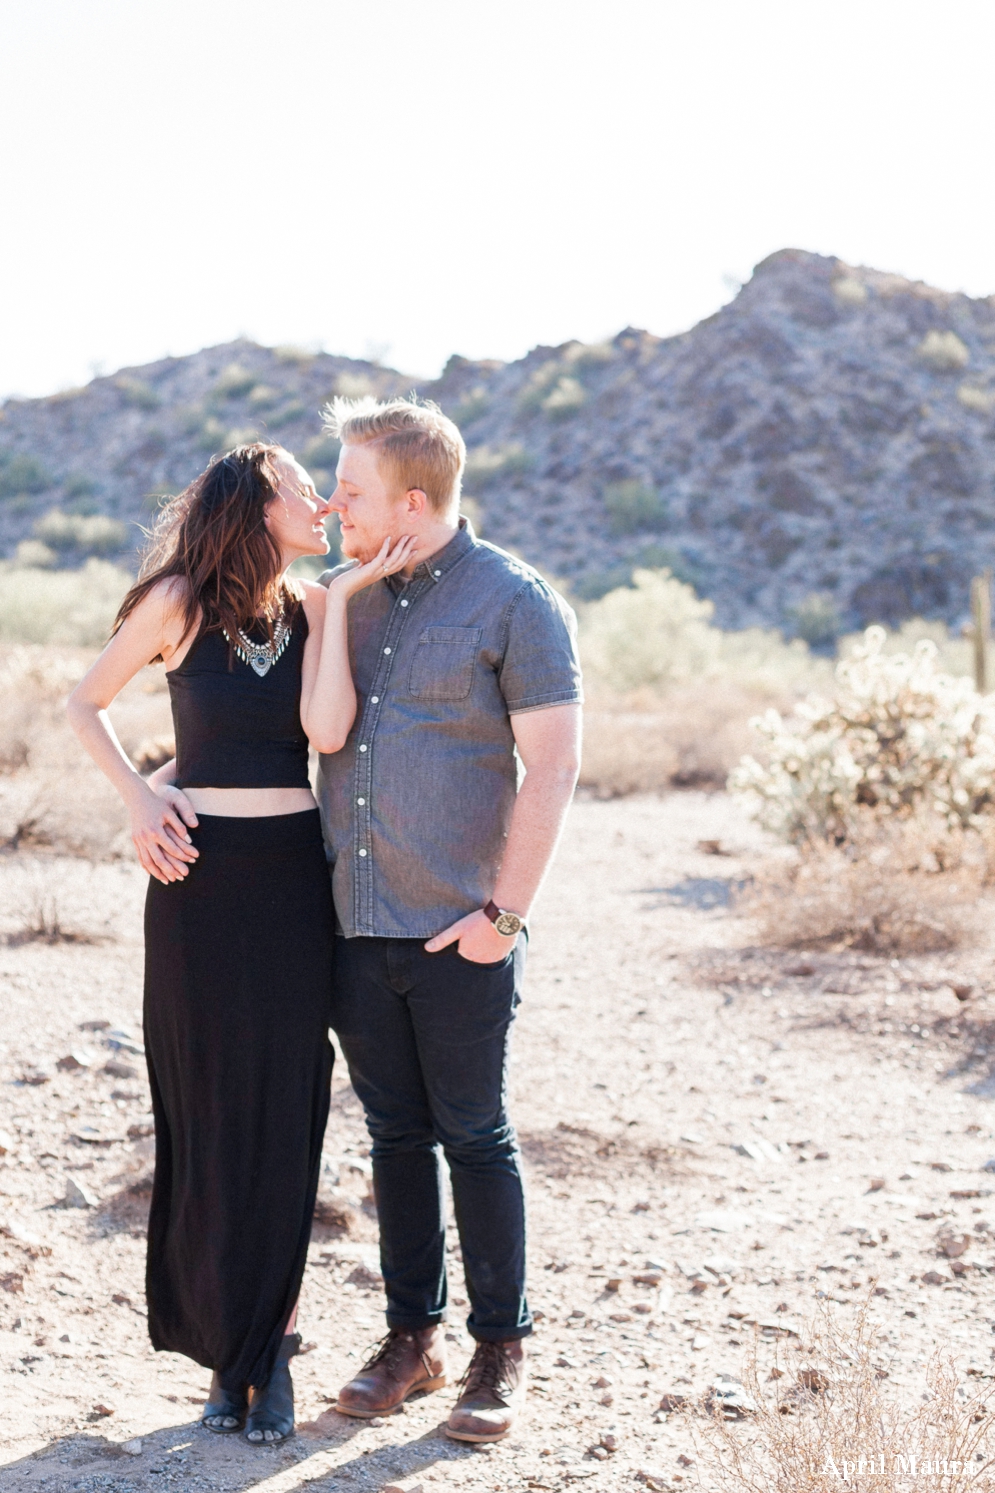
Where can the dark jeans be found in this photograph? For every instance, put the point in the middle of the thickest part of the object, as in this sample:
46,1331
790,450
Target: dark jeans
426,1039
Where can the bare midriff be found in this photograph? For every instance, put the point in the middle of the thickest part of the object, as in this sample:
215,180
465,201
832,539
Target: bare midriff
250,803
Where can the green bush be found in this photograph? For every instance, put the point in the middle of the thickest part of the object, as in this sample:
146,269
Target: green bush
96,535
322,451
633,506
20,473
657,635
234,382
817,620
137,393
485,463
295,410
473,404
565,398
70,607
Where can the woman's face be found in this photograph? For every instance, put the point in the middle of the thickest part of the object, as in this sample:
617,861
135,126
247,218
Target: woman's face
296,515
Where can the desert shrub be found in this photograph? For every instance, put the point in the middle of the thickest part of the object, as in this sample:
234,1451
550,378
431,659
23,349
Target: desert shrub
293,410
354,385
51,794
633,506
95,534
896,736
689,739
943,351
323,451
817,620
565,398
982,401
485,463
32,554
835,1418
905,886
473,404
137,392
264,396
70,607
657,634
234,382
22,474
850,291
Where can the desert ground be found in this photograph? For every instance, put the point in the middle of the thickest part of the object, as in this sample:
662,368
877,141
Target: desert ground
718,1138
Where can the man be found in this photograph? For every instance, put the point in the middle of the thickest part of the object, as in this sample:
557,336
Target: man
459,661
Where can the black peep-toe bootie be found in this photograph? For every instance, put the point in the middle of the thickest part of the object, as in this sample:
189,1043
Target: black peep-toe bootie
271,1412
226,1407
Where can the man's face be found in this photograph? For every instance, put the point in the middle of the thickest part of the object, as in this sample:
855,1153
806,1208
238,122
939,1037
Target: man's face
368,511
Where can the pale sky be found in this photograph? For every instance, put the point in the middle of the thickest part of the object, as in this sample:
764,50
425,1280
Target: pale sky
412,178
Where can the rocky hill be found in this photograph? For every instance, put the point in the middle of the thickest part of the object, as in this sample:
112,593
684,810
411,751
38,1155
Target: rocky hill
817,455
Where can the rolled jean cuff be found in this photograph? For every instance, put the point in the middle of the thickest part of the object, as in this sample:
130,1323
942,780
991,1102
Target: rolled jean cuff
499,1334
415,1324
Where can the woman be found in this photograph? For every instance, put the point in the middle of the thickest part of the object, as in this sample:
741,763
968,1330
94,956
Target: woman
238,920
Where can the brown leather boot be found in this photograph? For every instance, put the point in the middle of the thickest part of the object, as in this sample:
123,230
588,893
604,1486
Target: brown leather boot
404,1364
492,1396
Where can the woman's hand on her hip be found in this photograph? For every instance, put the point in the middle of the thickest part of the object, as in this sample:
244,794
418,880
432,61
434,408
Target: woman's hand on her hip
159,834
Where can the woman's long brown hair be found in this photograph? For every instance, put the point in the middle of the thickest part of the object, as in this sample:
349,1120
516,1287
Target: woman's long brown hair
213,538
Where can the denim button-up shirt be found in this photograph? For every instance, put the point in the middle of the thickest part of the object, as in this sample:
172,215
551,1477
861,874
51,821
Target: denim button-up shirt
416,805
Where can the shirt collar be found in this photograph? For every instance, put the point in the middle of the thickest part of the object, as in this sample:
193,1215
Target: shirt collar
436,566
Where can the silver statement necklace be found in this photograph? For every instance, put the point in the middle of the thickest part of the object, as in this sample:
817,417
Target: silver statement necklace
261,656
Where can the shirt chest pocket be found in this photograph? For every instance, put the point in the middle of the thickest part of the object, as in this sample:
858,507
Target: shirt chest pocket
444,661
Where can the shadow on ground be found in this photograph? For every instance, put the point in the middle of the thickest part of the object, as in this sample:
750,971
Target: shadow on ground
313,1459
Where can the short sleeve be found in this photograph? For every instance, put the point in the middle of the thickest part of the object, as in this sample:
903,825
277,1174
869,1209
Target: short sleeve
540,665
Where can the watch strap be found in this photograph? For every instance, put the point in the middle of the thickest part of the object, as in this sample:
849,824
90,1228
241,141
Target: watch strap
492,911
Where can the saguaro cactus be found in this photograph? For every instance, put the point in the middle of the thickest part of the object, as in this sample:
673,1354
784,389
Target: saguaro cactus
981,628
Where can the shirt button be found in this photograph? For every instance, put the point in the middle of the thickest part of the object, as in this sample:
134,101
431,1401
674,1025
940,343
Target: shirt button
362,852
404,603
386,650
436,572
362,749
374,699
361,800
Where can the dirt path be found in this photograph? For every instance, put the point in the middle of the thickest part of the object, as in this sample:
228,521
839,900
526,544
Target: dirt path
652,1044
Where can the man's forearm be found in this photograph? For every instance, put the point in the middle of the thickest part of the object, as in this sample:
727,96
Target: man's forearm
536,824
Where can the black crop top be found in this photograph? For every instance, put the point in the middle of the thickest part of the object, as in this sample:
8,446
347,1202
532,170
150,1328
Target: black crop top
234,727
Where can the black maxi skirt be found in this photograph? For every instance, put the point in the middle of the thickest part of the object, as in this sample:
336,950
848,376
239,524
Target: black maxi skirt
238,962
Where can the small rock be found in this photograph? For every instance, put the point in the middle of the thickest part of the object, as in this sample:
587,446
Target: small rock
730,1397
962,1194
115,1068
7,1143
953,1245
602,1383
609,1442
376,1421
141,1130
693,1139
362,1275
671,1401
648,1278
75,1061
814,1380
989,1166
655,1481
940,1166
934,1278
699,1341
962,992
682,1460
876,1184
78,1195
607,1400
712,847
614,1284
95,1026
599,1453
566,1363
801,971
405,1486
102,1410
134,1447
620,1317
34,1076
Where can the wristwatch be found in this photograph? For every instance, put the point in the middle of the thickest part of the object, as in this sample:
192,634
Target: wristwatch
508,924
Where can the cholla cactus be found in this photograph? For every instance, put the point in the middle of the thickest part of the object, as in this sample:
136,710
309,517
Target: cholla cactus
897,737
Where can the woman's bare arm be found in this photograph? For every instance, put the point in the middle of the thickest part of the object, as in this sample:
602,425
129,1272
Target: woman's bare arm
153,628
328,695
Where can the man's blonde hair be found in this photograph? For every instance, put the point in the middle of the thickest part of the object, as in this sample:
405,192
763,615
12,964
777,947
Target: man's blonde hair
417,446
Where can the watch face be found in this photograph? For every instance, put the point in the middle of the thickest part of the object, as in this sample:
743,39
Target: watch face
509,923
